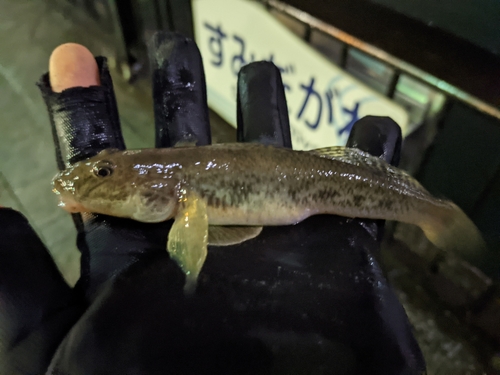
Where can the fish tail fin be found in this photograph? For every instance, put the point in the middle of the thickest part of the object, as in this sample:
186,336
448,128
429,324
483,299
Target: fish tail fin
449,228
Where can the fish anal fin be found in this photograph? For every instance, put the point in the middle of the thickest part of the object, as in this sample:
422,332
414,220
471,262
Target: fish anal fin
231,235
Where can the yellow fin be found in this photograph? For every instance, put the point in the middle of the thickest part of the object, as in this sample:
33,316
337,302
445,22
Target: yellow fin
231,235
187,240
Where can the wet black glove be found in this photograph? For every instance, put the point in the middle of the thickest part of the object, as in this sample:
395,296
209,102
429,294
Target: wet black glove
302,299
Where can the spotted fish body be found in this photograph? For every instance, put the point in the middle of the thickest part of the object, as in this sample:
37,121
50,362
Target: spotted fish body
256,185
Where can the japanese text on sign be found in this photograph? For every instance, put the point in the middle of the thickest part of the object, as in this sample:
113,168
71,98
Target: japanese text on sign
323,101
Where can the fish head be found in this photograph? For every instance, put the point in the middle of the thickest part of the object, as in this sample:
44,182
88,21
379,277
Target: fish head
111,183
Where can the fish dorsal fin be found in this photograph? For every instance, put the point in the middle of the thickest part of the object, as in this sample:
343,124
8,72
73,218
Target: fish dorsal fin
332,152
349,155
357,157
231,235
378,166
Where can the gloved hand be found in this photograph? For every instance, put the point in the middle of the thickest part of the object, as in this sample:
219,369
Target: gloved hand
302,299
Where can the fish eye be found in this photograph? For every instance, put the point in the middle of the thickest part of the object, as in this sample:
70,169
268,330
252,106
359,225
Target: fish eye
104,169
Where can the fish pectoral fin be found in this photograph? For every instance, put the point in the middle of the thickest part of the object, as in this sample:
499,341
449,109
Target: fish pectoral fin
231,235
187,239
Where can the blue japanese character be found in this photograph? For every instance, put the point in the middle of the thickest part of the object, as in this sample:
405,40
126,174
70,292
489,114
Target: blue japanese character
354,117
241,56
311,92
215,44
329,98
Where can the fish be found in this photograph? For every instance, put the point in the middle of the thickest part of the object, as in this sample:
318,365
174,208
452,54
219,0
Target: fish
224,194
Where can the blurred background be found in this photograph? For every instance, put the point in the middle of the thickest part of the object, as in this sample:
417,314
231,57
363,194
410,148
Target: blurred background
434,64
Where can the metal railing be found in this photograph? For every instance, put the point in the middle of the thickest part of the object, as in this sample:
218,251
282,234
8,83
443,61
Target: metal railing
399,67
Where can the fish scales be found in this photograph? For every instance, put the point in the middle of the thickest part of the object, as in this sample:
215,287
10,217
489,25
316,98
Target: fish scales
271,186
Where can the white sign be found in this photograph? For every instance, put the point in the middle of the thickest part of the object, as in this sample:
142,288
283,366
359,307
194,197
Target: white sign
323,100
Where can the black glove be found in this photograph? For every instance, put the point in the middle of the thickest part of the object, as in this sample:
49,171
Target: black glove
302,299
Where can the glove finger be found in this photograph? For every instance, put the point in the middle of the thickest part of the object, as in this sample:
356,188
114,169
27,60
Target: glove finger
179,91
379,136
84,120
262,112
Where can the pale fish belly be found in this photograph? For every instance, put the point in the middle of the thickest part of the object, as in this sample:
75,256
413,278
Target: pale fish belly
274,213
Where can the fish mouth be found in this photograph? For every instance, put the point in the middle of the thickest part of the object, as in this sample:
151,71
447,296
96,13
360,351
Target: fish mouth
71,205
65,199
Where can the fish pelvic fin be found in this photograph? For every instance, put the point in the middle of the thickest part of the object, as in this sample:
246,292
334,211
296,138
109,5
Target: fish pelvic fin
187,239
449,228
